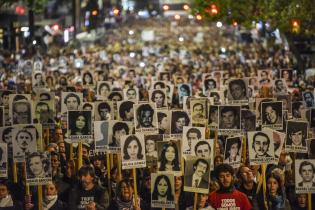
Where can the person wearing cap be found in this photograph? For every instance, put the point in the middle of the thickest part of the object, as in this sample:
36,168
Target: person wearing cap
227,195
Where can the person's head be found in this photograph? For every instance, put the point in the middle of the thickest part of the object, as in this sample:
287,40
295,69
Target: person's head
131,93
72,101
261,143
42,108
87,177
301,200
21,112
5,97
274,184
55,162
224,173
184,90
279,85
210,84
163,121
246,175
126,110
296,135
271,114
180,119
178,183
24,138
285,74
158,97
50,190
36,164
104,89
7,136
38,77
145,115
309,99
193,134
237,89
233,147
125,190
115,96
80,122
103,110
150,143
120,129
132,148
4,189
307,171
228,117
297,108
202,149
44,97
200,167
159,85
162,188
169,154
198,109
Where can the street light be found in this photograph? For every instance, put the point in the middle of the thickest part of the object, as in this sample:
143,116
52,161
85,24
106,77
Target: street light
186,7
166,7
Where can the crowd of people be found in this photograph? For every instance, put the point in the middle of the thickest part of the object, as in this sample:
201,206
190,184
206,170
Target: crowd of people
163,114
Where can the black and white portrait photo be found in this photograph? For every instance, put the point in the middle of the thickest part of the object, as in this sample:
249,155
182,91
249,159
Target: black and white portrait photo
209,84
197,174
38,79
44,112
117,129
145,118
271,113
308,98
115,96
80,125
264,77
24,141
191,134
125,110
164,121
237,90
218,97
133,151
6,137
260,146
20,109
71,101
157,85
87,79
304,176
278,142
131,94
162,190
169,156
151,148
165,76
3,160
213,119
100,135
248,121
198,110
183,90
287,75
179,119
297,108
103,90
104,110
229,118
38,168
158,97
280,87
296,136
204,149
233,151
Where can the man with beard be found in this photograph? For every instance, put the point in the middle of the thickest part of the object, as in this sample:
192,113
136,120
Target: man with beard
227,195
88,194
145,116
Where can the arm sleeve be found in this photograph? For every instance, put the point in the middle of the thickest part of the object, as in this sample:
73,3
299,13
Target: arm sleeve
104,201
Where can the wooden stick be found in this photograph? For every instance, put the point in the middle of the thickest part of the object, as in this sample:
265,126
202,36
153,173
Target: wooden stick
71,152
108,176
27,186
244,149
263,177
215,142
309,197
40,197
111,157
80,161
135,186
15,180
195,201
119,167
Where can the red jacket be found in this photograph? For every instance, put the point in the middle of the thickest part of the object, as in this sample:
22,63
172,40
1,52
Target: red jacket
228,201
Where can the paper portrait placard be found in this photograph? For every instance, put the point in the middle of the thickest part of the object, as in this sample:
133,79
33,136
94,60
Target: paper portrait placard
162,190
133,151
38,168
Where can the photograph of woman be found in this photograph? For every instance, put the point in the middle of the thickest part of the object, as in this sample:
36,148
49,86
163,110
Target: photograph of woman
162,190
87,79
38,165
132,151
103,90
169,156
150,148
80,123
233,150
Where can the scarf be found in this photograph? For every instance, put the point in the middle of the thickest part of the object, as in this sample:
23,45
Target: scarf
124,204
277,201
49,201
6,202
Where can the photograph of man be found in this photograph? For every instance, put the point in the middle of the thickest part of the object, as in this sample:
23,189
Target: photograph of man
183,90
260,145
38,80
197,174
43,113
248,120
198,111
271,113
191,134
163,122
179,119
38,165
217,97
162,190
104,110
304,173
3,158
297,108
233,150
103,89
71,101
5,98
213,119
209,85
237,90
229,117
24,141
125,110
296,134
286,74
100,135
165,76
21,110
264,77
169,92
308,98
280,87
145,116
80,123
201,148
115,96
116,130
158,97
130,94
157,85
151,149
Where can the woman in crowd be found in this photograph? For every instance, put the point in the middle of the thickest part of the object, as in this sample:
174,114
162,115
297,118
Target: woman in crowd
169,159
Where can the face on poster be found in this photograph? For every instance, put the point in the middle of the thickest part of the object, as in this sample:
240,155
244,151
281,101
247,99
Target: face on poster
297,109
158,97
162,190
151,148
237,90
213,116
259,102
38,79
6,137
80,125
264,77
71,101
4,99
261,147
197,173
145,118
131,93
117,129
158,85
199,108
286,102
280,87
183,90
87,79
38,168
103,90
296,136
218,97
44,112
100,135
165,76
164,121
248,120
104,110
115,96
287,74
191,134
278,141
272,115
169,92
3,160
23,141
204,149
169,154
20,109
179,119
209,84
304,175
133,151
308,98
125,110
229,118
233,151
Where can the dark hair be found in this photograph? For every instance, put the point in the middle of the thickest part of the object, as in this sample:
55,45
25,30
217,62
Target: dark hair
159,83
160,116
275,106
144,107
5,93
295,128
223,168
129,139
83,77
197,104
238,82
101,85
72,95
186,87
103,105
113,94
260,134
125,106
45,94
87,170
42,104
6,131
229,144
154,92
24,131
205,83
175,162
35,75
87,105
194,130
155,193
200,161
305,163
45,162
177,115
73,128
119,126
278,178
202,143
228,109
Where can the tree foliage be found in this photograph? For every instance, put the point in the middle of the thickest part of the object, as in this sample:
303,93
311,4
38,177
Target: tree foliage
277,13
